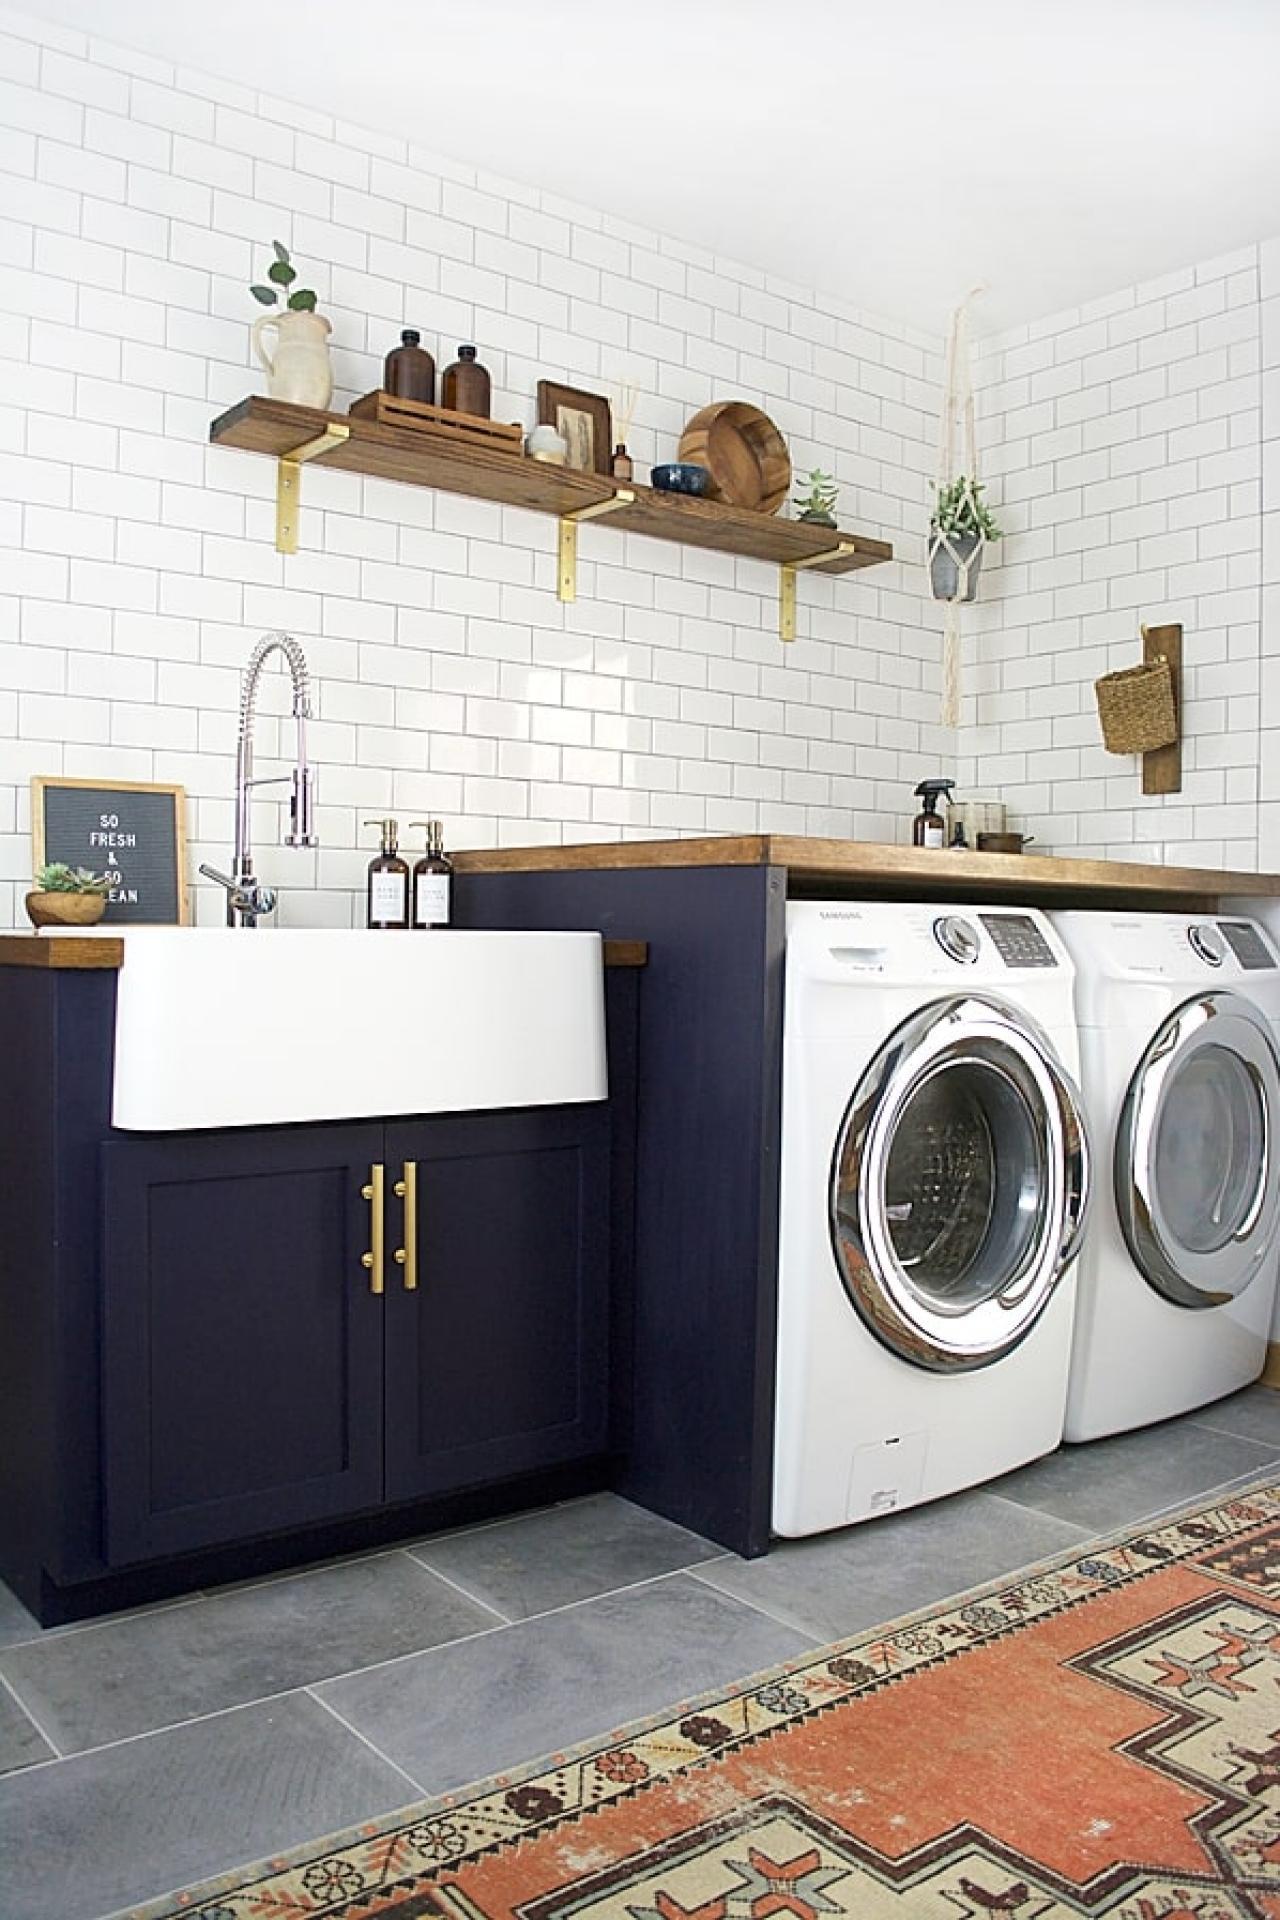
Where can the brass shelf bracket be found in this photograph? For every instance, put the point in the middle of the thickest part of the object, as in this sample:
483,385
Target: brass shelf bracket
787,584
289,482
567,558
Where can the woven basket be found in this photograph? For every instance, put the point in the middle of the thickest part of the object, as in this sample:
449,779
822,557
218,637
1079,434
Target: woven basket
1136,708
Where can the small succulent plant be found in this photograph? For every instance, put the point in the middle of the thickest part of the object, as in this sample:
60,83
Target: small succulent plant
961,509
282,273
58,877
819,502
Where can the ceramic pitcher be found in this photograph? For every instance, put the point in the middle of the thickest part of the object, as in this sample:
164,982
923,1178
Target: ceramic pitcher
299,370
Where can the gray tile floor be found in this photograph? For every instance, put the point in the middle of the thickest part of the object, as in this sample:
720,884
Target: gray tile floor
145,1751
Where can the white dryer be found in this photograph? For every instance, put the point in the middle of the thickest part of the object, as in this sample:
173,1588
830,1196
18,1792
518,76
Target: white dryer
934,1185
1178,1022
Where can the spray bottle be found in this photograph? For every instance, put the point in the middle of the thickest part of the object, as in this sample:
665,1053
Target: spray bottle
929,829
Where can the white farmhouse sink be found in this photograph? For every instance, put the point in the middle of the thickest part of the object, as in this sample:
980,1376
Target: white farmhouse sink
230,1028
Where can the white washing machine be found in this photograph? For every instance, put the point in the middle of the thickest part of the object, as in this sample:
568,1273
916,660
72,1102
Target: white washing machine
1178,1018
934,1185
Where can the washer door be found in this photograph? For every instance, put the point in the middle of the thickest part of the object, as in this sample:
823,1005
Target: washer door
959,1184
1197,1184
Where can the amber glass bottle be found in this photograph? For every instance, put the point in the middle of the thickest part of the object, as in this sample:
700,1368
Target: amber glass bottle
432,875
387,897
464,385
409,372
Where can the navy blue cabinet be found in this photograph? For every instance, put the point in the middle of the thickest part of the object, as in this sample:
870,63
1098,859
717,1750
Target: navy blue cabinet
497,1358
267,1366
242,1351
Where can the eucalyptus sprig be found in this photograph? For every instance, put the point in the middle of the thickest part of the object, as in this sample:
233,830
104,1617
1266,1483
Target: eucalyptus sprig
961,509
282,273
58,877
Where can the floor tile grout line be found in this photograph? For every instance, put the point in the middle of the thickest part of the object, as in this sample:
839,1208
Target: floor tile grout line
43,1731
1081,1530
420,1792
465,1593
1229,1433
757,1606
51,1636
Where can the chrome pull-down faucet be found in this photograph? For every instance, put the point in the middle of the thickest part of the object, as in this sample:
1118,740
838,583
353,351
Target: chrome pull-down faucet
247,897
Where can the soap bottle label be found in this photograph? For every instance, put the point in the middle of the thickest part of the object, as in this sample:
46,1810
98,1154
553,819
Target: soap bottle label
933,837
387,896
431,905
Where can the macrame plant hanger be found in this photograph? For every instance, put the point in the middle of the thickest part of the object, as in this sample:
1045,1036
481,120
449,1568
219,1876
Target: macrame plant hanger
958,434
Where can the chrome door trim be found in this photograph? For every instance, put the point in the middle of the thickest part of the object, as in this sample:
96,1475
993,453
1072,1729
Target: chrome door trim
969,1029
1187,1278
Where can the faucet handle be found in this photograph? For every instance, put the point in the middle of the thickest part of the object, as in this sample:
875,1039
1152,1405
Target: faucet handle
248,896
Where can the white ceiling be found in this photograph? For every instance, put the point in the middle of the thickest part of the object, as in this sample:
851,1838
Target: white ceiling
891,154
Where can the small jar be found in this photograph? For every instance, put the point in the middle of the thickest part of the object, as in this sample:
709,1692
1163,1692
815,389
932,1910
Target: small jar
464,387
545,444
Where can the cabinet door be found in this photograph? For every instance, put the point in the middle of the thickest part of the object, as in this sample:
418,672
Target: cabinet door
497,1361
242,1343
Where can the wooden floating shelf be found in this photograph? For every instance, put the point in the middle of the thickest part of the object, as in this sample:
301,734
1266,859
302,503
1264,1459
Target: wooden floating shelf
298,435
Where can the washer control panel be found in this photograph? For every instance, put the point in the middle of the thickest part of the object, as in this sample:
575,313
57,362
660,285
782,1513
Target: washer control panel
1247,944
958,938
1206,943
1018,940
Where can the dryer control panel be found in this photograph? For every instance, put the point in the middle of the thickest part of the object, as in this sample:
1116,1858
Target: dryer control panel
1247,944
1018,940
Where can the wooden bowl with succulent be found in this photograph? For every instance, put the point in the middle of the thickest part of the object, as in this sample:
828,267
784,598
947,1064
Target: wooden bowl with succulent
66,896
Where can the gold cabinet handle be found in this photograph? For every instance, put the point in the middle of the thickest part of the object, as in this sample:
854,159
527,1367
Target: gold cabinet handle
372,1191
406,1189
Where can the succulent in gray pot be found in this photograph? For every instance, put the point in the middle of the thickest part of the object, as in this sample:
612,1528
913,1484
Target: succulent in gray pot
962,526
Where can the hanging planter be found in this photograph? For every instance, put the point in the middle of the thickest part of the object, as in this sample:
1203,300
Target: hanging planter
961,529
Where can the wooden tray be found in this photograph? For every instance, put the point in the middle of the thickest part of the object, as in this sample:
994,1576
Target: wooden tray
388,410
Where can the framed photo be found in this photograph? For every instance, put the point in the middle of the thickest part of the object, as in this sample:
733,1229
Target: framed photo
583,420
133,831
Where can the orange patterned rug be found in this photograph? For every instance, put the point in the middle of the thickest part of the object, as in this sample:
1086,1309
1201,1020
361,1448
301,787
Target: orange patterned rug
1100,1737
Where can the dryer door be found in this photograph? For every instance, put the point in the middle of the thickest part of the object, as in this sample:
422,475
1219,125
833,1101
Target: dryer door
959,1184
1197,1180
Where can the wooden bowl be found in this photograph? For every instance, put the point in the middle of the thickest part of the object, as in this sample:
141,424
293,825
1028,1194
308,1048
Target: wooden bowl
744,453
1004,842
65,909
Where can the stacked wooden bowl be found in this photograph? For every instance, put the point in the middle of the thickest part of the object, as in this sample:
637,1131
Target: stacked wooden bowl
743,452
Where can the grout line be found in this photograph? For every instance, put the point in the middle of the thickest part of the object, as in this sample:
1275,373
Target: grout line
170,1726
465,1592
1268,1447
43,1731
50,1636
758,1607
1083,1530
420,1792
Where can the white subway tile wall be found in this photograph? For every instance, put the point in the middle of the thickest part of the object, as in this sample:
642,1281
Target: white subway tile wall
1127,448
138,565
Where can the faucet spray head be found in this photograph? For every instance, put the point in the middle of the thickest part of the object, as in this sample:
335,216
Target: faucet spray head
302,830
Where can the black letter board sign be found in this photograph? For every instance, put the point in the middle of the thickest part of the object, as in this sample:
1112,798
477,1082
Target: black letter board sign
135,833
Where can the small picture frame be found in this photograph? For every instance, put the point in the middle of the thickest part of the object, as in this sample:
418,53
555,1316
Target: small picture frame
583,420
134,831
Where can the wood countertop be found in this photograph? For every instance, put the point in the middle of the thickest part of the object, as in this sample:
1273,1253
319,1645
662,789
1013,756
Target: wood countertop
70,955
871,869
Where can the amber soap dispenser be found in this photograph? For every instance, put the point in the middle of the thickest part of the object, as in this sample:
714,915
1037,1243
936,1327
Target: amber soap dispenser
388,892
432,875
